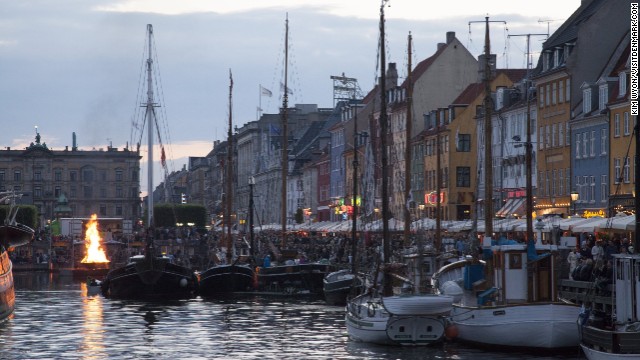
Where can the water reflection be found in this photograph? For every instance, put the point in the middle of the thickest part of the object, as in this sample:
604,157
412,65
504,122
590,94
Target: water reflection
57,318
92,328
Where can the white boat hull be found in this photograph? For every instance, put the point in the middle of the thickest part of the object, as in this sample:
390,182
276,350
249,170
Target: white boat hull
418,304
540,325
368,320
592,354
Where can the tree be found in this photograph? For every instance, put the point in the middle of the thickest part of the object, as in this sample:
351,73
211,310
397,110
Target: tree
299,216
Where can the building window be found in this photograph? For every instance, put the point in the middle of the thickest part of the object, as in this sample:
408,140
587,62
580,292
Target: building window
567,92
547,185
118,210
87,192
561,91
554,173
567,185
603,188
554,91
548,94
586,101
463,176
87,175
118,175
134,174
602,98
540,183
592,196
567,134
627,173
593,143
541,97
577,146
464,143
584,144
103,175
547,141
103,192
2,176
541,138
585,188
616,125
17,175
554,134
560,135
57,175
622,84
73,176
37,192
119,191
73,192
603,141
103,210
626,123
37,175
560,182
57,192
617,170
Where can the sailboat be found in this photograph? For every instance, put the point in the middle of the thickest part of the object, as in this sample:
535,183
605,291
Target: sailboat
380,317
338,285
509,298
233,276
289,277
151,276
12,233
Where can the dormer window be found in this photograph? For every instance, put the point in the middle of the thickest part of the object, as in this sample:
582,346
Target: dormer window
586,100
603,95
622,84
557,57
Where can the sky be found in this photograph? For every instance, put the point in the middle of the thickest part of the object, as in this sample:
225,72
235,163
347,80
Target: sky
74,65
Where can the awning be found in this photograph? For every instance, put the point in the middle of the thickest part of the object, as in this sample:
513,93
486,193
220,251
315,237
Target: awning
512,206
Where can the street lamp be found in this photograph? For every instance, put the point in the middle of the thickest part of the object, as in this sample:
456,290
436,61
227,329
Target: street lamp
252,182
574,198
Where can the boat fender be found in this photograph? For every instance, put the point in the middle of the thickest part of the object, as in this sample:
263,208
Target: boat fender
184,282
371,311
451,332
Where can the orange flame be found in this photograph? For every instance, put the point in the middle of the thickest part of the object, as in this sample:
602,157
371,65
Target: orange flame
95,253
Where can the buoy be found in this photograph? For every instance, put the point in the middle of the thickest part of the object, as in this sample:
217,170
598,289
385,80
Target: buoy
451,332
183,282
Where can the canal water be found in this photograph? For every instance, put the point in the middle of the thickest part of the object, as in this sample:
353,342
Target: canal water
56,318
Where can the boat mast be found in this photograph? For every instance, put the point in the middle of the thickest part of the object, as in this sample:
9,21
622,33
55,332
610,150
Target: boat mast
228,196
150,120
407,150
488,138
285,155
354,241
384,128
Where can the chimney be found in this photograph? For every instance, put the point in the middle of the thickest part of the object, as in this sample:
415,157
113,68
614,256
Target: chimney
441,45
481,65
450,36
74,146
392,76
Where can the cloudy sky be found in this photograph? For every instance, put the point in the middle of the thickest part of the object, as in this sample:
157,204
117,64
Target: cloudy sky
74,65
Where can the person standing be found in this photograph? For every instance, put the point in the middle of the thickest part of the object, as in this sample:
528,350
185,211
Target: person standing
573,257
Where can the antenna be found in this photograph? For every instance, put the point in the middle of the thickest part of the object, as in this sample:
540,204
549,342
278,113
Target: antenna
548,21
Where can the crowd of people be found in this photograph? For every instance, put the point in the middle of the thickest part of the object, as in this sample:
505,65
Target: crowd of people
591,260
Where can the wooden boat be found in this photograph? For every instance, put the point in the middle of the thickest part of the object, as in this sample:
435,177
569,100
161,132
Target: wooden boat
226,279
12,234
616,334
520,309
150,276
337,286
293,279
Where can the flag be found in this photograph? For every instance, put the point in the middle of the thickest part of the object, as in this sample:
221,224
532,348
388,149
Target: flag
274,129
163,157
265,92
289,91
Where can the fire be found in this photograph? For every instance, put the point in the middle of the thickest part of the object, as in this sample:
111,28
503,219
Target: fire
95,253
